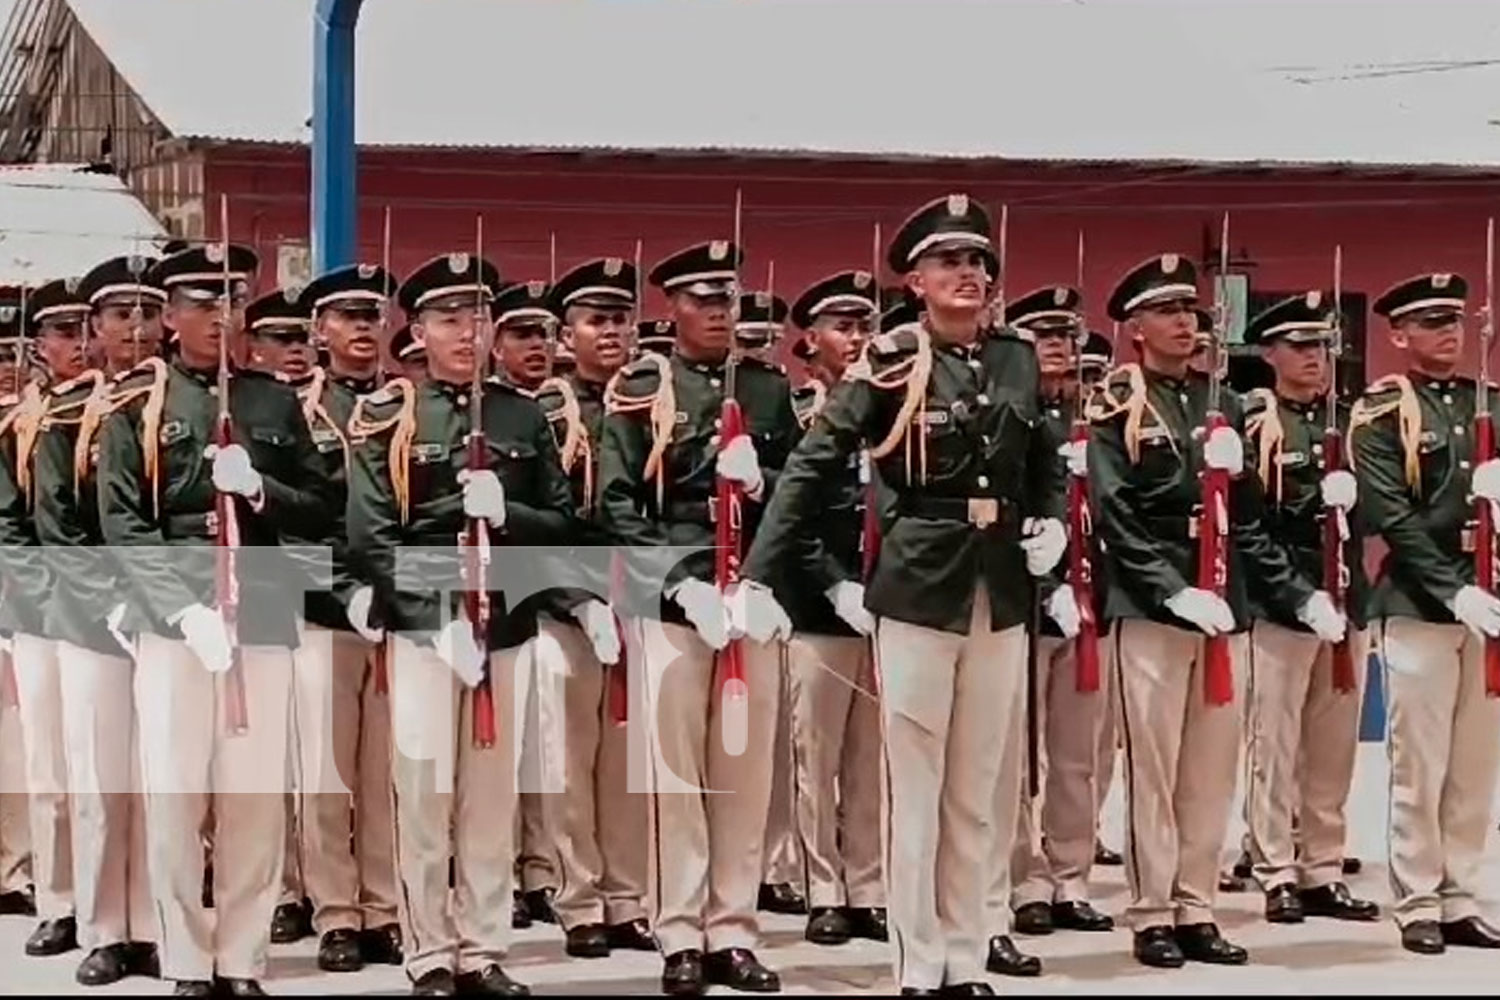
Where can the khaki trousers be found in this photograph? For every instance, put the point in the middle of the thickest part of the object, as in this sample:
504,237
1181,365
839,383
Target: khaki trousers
837,748
536,851
44,747
598,823
15,810
190,764
783,856
1108,747
454,801
1444,755
1180,766
708,804
344,748
111,888
1055,834
953,712
1300,746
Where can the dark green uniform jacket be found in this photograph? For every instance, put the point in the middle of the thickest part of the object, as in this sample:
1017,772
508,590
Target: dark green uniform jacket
24,581
968,437
1284,447
1146,506
409,445
575,410
169,523
672,506
1413,441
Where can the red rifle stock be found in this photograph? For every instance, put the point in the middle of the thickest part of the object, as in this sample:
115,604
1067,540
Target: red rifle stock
1213,568
727,542
1081,572
476,540
227,522
1484,450
1335,569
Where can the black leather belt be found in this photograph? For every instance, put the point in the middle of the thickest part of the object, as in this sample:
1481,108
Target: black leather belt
981,512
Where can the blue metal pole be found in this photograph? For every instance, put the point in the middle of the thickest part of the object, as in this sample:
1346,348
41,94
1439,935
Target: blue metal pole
334,221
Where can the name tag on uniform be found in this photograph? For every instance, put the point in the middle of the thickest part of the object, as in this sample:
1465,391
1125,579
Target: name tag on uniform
326,439
426,454
173,431
934,416
1292,458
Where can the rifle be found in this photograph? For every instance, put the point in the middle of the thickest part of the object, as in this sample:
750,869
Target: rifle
619,676
1081,528
1484,450
1213,523
476,538
869,536
227,533
1335,520
379,661
728,493
10,693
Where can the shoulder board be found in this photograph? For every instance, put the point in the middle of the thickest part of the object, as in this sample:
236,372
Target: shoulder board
1259,401
381,410
637,385
140,382
1384,390
394,391
898,342
808,400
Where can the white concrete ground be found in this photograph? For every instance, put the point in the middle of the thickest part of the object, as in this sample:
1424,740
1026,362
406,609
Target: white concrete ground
1320,957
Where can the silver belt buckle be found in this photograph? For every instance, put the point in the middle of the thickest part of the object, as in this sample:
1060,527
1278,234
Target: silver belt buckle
983,511
211,522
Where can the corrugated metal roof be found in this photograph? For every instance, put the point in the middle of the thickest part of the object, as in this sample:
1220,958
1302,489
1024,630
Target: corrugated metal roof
1313,81
58,222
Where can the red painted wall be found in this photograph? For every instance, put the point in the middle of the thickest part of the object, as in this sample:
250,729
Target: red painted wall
811,217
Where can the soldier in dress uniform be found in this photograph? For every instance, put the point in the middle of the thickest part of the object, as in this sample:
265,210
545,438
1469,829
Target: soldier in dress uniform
949,409
409,355
594,822
833,703
343,716
157,494
56,315
1414,455
655,336
1180,730
659,468
1305,693
411,487
1048,870
116,919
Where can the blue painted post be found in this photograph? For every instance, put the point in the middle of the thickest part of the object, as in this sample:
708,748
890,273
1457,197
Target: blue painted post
334,222
1372,718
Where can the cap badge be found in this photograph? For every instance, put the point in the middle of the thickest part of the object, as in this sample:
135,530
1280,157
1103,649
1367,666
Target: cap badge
135,264
70,285
458,263
613,266
762,300
862,279
1059,296
1441,280
1314,299
958,205
718,249
1169,262
7,313
367,271
662,326
291,294
214,252
535,288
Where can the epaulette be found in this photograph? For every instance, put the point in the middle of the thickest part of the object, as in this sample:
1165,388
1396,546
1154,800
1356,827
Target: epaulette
808,400
902,359
25,420
1264,427
559,404
645,386
1385,396
1124,391
392,407
146,382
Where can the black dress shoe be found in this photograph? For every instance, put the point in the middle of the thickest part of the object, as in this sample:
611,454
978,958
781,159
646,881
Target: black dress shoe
587,941
1107,857
1032,918
144,960
919,991
1283,904
539,905
1470,932
103,966
780,897
1203,943
491,981
1244,867
1156,946
1335,900
1005,959
53,937
1424,937
632,935
19,903
966,990
520,916
437,983
827,925
1080,916
381,945
682,975
226,987
739,969
1353,866
193,988
339,951
868,922
290,923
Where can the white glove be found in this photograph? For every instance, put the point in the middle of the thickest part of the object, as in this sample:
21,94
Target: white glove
1062,608
457,648
207,636
1478,609
738,461
1340,490
1208,611
233,472
1225,450
359,614
1045,542
1486,480
848,599
1075,453
598,623
704,607
113,621
754,612
1322,617
484,496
